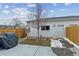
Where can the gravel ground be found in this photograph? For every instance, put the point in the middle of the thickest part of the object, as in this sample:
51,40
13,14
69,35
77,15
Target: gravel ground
66,51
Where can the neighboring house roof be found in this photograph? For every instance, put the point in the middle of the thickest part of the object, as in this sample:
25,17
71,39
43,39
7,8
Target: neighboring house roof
65,18
7,22
5,26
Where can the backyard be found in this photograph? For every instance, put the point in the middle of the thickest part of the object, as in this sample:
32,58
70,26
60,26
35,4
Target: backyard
32,41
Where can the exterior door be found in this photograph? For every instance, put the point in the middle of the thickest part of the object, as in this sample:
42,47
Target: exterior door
59,31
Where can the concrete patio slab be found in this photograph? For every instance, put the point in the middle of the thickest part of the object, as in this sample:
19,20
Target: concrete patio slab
45,51
27,50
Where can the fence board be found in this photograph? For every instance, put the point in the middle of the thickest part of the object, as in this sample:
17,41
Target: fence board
73,34
21,32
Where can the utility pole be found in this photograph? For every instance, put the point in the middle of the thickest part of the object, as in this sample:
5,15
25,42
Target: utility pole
38,10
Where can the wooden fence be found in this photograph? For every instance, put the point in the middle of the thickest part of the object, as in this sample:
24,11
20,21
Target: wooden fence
73,34
21,32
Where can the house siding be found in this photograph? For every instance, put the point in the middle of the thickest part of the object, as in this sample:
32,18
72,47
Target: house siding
55,31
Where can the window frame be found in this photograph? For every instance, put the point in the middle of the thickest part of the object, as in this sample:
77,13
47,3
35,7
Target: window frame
45,28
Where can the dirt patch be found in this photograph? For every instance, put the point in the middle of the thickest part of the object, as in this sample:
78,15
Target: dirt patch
41,42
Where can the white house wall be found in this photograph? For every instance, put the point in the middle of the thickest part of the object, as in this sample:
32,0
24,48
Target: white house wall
33,32
54,31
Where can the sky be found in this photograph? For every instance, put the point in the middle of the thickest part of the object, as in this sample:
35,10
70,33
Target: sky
23,10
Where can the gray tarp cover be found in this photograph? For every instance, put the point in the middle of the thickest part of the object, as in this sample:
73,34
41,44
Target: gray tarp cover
8,40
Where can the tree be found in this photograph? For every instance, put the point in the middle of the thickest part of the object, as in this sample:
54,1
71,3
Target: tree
17,21
39,21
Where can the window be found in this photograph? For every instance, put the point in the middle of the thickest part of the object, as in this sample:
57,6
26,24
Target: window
29,29
45,27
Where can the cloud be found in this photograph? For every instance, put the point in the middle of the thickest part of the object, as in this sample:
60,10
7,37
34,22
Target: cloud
31,5
6,6
6,11
67,4
61,9
21,12
44,11
16,16
51,11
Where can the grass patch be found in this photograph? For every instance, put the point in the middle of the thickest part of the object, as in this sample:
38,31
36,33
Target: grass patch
42,42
